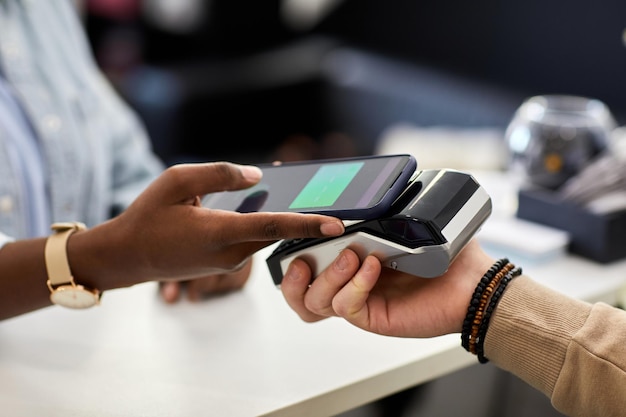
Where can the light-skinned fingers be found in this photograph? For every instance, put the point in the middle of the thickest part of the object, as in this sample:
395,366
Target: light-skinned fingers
351,301
319,297
294,286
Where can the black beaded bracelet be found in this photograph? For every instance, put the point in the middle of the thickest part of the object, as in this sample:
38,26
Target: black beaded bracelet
475,301
495,298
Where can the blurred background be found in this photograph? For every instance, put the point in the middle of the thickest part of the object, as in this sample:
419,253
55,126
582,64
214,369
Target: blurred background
259,80
256,80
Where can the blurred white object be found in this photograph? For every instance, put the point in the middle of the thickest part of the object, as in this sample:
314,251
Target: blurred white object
179,16
304,14
526,239
447,147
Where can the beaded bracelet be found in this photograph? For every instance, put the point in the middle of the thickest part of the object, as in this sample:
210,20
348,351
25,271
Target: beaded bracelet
475,301
484,299
483,302
480,342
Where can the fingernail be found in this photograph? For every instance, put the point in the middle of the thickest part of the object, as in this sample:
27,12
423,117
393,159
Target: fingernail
342,262
293,273
332,228
368,265
251,172
169,291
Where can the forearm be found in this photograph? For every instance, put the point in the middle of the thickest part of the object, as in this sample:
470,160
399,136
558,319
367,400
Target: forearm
530,331
95,260
23,278
593,379
561,346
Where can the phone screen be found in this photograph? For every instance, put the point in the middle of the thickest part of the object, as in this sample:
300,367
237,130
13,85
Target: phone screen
349,188
327,184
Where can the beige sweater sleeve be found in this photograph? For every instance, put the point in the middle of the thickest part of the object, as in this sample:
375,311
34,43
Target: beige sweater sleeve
572,351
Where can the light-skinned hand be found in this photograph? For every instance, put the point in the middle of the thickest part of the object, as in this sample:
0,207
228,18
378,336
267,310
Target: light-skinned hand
384,301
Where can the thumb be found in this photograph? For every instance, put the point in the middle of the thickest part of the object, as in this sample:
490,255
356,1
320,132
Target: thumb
185,181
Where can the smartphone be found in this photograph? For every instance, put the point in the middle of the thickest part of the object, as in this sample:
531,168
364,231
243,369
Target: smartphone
348,188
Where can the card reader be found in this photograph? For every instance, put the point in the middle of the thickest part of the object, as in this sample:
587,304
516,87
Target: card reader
426,227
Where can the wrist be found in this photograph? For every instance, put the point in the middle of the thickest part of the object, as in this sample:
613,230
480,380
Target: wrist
470,267
484,300
99,258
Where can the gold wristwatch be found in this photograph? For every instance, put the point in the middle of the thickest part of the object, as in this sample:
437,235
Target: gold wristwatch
63,290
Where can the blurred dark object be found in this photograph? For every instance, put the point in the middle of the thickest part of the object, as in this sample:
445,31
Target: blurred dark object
244,82
563,46
599,237
553,137
245,108
226,29
114,10
115,35
601,185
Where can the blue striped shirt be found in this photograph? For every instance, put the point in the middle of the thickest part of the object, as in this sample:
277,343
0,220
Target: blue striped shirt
96,157
24,152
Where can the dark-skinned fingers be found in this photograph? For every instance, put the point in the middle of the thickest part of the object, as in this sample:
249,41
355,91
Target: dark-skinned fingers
200,288
170,291
184,181
275,226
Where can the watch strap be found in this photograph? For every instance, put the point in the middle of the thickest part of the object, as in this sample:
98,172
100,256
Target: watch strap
57,264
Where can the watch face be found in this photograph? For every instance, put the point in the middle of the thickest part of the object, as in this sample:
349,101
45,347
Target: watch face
74,297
